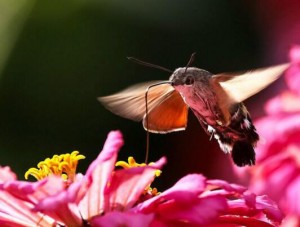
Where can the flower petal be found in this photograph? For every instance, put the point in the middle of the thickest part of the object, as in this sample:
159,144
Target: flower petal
197,211
6,174
48,196
269,208
286,102
117,219
292,75
61,205
292,197
286,127
99,174
187,187
127,185
16,208
229,188
182,205
36,191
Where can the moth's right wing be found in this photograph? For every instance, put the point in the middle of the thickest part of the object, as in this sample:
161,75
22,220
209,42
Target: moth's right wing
240,86
232,88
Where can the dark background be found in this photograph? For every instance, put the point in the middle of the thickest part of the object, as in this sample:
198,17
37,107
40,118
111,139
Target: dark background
61,55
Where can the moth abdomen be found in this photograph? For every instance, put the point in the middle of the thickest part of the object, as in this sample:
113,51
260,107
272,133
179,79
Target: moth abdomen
239,137
241,124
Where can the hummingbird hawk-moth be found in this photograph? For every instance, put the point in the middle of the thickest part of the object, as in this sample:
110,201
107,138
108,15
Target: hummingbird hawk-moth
215,99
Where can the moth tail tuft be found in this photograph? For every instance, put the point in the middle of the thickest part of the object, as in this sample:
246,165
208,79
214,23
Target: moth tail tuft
243,153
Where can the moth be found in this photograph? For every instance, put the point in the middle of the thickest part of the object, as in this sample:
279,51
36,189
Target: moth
215,99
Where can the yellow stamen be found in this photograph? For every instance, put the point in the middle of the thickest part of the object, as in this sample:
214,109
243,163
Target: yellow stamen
151,191
132,163
63,165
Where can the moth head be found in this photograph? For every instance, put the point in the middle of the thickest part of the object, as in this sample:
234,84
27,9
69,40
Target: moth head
187,77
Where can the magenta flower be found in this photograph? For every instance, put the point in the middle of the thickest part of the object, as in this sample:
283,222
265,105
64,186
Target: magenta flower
244,207
108,197
277,172
293,74
55,200
195,201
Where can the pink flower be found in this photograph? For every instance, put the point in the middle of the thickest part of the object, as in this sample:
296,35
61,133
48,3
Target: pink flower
196,201
108,197
244,207
277,172
292,76
183,203
101,190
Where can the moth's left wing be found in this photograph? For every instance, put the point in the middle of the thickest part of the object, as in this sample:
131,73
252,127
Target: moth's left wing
130,103
169,115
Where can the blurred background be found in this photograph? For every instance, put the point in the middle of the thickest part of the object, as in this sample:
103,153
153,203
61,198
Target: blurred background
57,57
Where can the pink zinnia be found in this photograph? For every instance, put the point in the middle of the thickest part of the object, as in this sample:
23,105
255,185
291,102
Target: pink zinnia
277,172
108,197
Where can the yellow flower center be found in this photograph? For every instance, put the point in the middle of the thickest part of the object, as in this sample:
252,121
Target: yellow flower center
132,163
63,165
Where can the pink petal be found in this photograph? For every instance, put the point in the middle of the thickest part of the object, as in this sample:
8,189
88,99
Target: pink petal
61,206
234,221
16,205
196,211
15,212
290,220
49,196
232,188
292,197
127,185
283,103
117,219
292,75
99,174
112,145
181,204
295,54
270,208
36,191
276,131
6,174
278,125
264,209
186,188
262,212
269,173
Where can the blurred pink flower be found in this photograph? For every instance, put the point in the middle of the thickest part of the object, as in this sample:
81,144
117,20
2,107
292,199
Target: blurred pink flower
292,76
108,197
277,172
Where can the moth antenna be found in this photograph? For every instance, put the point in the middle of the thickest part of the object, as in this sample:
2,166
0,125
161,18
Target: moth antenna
147,119
192,58
149,64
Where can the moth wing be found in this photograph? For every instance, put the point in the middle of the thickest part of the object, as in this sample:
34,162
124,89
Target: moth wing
169,115
130,103
239,87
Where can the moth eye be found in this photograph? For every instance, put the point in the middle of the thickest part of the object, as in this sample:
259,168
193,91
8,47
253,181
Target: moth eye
189,80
